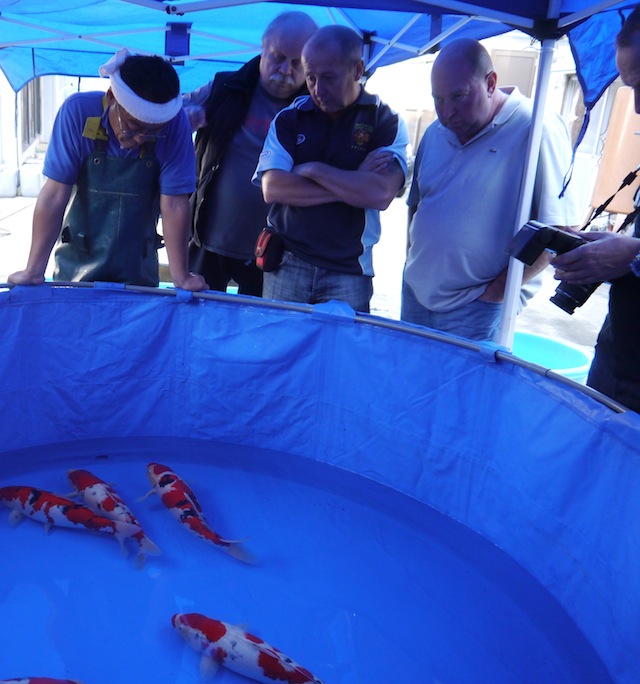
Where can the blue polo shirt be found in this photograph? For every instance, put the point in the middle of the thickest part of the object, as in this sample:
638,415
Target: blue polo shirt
68,148
336,236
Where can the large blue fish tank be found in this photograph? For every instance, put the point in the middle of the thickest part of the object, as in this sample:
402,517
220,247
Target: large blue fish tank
419,508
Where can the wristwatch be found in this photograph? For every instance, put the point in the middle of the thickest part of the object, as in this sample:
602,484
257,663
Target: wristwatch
635,265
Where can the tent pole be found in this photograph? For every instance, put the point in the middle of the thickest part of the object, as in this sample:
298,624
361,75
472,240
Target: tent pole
516,268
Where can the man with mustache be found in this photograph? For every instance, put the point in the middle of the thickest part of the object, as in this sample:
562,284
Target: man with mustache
232,114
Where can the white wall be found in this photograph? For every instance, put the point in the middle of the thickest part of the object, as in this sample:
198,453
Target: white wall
8,140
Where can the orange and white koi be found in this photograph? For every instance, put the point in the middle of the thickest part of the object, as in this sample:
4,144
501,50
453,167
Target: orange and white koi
53,510
183,505
238,651
39,680
102,498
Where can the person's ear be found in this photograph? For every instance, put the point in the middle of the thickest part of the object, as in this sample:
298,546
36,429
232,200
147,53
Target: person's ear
492,82
359,72
111,98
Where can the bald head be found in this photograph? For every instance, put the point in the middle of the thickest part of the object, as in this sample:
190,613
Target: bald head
464,88
465,53
340,41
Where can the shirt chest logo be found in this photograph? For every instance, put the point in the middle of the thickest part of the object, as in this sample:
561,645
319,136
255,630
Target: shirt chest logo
362,135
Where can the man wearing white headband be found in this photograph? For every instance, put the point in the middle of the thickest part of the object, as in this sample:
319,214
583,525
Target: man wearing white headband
127,157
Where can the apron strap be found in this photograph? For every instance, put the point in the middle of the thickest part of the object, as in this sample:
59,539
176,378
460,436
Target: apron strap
94,130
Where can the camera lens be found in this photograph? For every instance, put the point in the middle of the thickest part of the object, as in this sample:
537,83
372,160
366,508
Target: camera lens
569,296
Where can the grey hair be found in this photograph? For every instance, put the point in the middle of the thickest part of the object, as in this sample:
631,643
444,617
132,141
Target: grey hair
289,22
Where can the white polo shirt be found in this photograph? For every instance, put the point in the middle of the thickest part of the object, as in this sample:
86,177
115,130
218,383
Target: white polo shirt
467,202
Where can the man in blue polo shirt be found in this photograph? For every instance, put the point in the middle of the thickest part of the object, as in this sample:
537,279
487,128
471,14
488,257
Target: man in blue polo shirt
330,163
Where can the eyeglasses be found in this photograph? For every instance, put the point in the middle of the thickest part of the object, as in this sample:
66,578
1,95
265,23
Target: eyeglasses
143,134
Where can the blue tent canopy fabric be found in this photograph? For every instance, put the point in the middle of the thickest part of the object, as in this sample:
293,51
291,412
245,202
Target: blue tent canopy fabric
74,37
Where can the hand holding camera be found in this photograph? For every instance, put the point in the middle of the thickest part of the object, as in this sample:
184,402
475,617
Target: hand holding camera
529,243
607,259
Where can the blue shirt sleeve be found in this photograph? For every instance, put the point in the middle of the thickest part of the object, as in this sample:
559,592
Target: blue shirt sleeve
177,158
67,148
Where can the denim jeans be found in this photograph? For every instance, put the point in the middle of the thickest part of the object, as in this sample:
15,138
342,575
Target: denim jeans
297,281
478,320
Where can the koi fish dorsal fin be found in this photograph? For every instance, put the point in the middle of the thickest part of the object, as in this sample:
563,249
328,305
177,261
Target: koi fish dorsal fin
15,518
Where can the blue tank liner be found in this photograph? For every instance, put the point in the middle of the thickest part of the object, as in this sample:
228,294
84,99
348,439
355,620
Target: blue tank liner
539,466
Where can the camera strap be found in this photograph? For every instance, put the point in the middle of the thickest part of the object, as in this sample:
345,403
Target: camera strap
629,178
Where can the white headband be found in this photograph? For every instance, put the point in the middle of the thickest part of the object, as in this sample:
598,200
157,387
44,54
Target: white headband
138,107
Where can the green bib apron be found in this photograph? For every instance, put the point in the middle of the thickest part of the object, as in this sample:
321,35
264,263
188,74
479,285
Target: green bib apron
109,231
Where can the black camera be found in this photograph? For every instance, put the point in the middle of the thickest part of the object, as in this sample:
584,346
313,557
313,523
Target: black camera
529,243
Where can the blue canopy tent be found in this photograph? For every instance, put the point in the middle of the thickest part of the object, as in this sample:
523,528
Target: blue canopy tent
75,37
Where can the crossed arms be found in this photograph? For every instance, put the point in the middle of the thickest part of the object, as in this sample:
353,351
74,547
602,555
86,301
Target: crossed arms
372,186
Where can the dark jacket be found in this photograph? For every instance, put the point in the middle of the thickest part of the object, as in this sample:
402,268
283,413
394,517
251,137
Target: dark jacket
615,370
226,109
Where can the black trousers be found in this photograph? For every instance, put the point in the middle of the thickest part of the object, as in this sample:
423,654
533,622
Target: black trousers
625,389
219,271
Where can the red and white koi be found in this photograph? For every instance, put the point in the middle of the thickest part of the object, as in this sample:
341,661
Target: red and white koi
183,505
39,680
102,498
238,651
53,510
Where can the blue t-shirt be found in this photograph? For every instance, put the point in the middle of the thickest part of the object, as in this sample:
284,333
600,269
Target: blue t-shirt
68,148
235,211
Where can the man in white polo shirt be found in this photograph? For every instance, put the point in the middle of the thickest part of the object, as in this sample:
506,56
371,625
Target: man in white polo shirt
464,197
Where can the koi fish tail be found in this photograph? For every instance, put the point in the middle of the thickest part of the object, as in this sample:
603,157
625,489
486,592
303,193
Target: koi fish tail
147,548
234,548
123,531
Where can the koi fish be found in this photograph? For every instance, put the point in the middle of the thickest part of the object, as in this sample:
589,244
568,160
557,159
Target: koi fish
183,505
102,499
39,680
53,510
238,651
